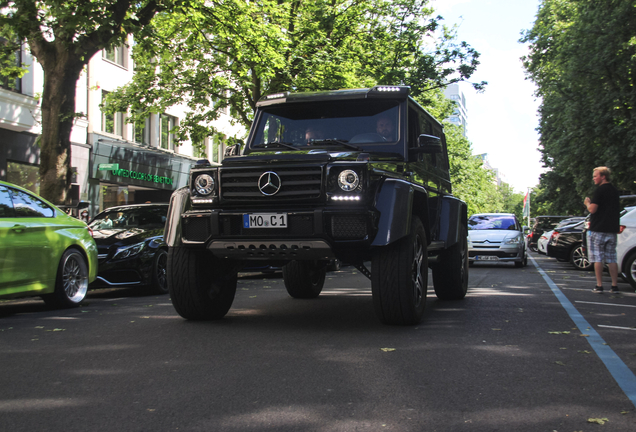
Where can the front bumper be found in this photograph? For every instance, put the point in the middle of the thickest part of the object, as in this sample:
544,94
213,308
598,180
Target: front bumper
311,234
506,253
127,272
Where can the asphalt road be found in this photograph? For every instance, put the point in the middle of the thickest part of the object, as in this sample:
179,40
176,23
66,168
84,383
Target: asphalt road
507,358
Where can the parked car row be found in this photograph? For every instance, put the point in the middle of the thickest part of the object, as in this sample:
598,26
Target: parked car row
47,253
564,241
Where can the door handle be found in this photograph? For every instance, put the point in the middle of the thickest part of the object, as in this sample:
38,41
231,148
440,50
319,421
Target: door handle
19,228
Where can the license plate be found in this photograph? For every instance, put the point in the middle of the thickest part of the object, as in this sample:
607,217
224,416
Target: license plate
487,258
265,220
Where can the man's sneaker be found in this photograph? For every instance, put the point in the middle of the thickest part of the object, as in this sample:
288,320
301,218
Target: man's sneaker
614,289
598,290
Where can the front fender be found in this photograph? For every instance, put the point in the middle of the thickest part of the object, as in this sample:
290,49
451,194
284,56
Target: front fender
454,214
179,200
395,202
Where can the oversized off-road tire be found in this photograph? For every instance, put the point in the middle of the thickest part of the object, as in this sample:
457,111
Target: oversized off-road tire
578,258
629,269
159,272
450,272
304,279
71,283
201,286
399,278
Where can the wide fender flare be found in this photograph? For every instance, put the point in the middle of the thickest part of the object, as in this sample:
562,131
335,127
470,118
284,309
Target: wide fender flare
179,200
453,215
396,203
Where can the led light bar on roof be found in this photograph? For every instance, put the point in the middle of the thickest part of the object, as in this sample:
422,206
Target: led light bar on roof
388,88
275,96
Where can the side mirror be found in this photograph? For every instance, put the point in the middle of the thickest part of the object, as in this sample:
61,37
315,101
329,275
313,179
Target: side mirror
233,150
428,144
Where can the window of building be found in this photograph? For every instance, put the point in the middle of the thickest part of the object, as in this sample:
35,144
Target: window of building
117,55
25,175
200,149
112,123
166,137
141,131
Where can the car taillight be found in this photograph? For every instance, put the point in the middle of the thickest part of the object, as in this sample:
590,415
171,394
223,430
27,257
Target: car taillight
621,229
530,235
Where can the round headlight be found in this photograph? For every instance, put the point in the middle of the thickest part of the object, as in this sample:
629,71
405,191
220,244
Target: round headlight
204,184
348,180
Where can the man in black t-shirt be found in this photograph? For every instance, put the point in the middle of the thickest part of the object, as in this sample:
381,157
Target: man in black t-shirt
604,225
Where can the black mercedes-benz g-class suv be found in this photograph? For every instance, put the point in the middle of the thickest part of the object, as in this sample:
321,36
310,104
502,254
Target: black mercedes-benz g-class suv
356,175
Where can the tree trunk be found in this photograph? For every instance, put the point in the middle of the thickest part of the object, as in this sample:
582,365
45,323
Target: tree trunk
58,113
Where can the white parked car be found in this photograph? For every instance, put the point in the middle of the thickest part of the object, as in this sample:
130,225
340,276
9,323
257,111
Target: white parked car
542,244
626,247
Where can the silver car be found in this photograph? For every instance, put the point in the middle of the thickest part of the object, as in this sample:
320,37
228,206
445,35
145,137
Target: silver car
496,237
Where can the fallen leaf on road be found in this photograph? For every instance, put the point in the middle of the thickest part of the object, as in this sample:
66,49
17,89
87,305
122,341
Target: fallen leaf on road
600,421
496,329
584,335
560,363
585,352
559,332
387,349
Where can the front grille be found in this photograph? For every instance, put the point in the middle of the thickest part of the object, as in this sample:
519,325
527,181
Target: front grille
297,182
348,227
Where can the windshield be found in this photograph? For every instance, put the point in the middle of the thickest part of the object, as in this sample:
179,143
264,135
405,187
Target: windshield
490,222
327,123
126,218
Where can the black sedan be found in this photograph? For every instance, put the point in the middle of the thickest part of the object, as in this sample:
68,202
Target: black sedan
566,244
130,247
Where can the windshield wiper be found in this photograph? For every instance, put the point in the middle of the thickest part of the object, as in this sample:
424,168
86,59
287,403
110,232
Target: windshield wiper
336,141
277,143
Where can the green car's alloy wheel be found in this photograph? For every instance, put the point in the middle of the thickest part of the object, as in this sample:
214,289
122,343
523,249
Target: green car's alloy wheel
72,281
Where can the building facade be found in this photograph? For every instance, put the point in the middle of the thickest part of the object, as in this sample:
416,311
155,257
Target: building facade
115,162
460,112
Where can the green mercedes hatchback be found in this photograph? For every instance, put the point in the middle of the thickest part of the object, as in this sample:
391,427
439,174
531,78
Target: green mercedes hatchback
43,251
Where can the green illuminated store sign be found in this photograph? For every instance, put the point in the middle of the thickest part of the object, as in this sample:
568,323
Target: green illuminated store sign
142,176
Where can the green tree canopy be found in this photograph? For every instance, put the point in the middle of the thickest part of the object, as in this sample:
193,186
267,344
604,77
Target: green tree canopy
63,35
231,53
582,59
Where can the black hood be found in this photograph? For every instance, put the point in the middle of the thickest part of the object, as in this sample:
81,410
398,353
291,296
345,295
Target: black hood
123,237
314,156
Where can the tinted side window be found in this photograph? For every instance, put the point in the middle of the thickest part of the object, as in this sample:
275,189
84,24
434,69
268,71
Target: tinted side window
26,205
6,205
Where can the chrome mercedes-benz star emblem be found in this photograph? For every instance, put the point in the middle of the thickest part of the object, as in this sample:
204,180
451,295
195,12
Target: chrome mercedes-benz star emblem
269,183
